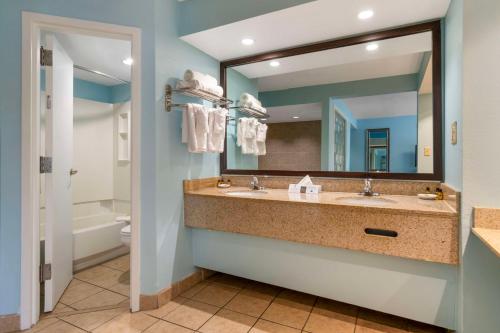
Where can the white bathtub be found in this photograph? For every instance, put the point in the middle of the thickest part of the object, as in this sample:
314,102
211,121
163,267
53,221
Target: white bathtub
96,238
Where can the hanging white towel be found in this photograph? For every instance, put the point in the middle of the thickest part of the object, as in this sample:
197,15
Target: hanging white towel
240,127
249,145
201,128
190,75
189,127
261,139
217,129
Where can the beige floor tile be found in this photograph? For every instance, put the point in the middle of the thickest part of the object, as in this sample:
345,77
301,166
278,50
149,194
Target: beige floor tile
264,326
216,294
191,314
103,298
226,321
290,308
416,327
165,309
330,316
77,291
377,322
194,289
61,327
59,309
121,263
90,320
101,276
250,302
166,327
123,288
127,323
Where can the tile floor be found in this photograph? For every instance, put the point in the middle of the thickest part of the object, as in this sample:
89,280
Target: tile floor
222,304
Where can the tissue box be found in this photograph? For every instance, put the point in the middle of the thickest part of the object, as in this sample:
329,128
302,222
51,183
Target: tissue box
311,189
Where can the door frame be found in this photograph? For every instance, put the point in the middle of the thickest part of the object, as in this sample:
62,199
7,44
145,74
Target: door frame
32,23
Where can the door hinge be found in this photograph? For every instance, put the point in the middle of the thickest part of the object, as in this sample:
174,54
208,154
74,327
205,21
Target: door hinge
45,57
45,164
45,272
48,102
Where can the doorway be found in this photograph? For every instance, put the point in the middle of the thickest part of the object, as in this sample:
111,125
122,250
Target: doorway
57,195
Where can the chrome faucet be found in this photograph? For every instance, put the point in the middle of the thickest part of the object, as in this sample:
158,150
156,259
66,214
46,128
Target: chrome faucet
254,184
367,190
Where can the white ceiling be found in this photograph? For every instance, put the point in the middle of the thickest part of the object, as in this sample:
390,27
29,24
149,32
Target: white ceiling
396,56
284,114
312,22
400,65
388,105
416,43
426,85
101,54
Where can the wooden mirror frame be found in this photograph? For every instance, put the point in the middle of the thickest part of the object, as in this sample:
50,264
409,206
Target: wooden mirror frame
437,113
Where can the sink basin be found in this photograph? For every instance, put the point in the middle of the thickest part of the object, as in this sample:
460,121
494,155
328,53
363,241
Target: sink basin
368,201
246,193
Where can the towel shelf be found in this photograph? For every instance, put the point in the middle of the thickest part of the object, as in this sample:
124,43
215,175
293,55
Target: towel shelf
251,112
205,95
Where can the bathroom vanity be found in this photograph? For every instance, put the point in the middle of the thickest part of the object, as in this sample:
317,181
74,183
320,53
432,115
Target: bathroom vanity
394,253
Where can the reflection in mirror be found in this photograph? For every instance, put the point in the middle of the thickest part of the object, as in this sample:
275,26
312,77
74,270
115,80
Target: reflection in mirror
351,109
377,150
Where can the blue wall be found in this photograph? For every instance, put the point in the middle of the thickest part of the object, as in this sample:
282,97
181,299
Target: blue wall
453,52
165,243
403,138
238,84
96,92
202,14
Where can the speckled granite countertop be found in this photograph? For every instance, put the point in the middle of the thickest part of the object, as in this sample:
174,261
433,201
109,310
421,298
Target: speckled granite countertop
395,203
487,227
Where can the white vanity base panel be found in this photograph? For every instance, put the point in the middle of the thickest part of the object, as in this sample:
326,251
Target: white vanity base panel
418,290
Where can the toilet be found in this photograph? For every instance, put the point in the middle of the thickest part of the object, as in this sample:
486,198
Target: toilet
125,231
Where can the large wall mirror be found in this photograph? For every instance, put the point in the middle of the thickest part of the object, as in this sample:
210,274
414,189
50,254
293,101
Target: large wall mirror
363,106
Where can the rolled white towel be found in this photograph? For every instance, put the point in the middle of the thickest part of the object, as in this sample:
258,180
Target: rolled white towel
216,90
190,75
249,99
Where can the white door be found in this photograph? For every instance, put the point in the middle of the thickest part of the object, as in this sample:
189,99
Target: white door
59,146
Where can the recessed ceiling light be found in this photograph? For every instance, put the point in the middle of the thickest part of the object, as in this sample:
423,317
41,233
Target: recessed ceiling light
295,117
247,41
129,61
274,63
372,47
365,14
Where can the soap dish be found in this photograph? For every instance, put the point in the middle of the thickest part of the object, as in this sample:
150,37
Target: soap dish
427,196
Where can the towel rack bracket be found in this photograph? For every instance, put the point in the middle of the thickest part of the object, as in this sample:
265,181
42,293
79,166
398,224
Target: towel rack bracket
197,93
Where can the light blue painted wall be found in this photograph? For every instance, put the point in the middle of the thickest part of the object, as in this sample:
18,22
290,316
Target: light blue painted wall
165,249
96,92
171,241
120,93
237,84
403,138
323,94
453,53
207,14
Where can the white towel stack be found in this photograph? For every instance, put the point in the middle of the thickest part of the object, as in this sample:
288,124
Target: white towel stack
203,129
197,80
251,136
248,100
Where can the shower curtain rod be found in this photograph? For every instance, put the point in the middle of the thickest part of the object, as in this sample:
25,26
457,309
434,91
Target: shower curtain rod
99,73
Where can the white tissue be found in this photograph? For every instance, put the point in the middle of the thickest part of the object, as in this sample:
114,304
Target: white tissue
305,181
